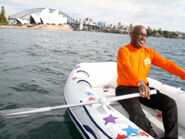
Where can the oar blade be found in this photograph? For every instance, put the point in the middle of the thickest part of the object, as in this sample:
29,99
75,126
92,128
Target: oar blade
23,112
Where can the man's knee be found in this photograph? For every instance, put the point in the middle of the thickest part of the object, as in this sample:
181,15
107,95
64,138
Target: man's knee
137,118
171,105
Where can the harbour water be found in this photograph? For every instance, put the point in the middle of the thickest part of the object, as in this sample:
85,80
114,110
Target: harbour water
35,65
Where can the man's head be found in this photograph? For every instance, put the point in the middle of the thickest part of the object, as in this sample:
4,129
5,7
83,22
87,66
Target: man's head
138,36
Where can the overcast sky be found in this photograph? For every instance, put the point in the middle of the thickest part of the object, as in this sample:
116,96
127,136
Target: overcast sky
164,14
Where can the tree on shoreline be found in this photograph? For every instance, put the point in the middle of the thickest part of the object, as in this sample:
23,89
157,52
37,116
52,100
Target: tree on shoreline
165,33
3,20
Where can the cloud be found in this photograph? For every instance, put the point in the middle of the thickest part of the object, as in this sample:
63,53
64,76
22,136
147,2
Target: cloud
166,14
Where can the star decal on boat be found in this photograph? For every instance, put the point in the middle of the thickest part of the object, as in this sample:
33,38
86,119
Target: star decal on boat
144,134
110,119
159,115
106,87
90,94
91,98
74,78
130,130
163,84
78,66
121,136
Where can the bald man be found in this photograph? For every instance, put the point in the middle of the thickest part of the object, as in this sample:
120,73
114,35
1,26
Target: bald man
134,62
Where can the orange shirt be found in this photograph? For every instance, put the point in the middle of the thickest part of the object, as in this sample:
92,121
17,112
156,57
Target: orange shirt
134,65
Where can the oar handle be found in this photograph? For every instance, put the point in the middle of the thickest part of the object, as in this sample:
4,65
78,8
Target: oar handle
152,92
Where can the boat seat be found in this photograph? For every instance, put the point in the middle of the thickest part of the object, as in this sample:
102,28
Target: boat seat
105,91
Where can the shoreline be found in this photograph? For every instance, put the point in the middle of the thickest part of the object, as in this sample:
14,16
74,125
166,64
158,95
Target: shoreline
65,27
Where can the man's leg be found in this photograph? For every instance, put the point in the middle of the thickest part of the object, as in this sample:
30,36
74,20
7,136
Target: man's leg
133,107
169,113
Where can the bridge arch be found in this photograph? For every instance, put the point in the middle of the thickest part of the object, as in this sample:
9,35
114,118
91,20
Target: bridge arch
25,15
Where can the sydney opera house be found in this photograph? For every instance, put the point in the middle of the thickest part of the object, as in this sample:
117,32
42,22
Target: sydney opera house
44,17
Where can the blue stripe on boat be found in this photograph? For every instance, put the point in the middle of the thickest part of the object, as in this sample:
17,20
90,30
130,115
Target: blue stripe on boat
79,125
96,123
90,131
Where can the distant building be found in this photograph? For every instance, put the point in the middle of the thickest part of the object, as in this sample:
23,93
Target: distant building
35,19
121,25
20,21
45,17
101,24
89,21
110,26
80,22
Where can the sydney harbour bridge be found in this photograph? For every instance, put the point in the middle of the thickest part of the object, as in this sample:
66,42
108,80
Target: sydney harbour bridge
26,15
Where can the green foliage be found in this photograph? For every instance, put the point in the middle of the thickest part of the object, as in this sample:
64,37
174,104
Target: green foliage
149,31
166,34
3,20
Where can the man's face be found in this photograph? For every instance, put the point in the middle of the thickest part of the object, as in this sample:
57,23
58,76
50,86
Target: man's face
138,37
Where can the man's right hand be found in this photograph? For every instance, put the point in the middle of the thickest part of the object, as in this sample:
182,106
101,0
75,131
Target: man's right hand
144,90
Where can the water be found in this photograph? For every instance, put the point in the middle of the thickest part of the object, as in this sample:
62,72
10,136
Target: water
35,65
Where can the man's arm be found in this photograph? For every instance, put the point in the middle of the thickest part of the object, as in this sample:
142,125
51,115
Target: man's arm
168,65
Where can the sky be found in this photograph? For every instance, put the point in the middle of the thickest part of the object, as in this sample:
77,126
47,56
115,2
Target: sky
158,14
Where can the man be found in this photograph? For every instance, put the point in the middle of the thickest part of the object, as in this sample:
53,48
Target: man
134,62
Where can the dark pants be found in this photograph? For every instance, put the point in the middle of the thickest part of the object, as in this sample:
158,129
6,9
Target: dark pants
159,101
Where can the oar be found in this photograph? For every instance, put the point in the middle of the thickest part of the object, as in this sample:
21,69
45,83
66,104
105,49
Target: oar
102,100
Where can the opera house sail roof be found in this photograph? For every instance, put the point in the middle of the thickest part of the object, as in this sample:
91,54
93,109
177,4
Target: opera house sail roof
45,17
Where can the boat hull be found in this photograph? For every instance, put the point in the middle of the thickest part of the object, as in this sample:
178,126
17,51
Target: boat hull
92,81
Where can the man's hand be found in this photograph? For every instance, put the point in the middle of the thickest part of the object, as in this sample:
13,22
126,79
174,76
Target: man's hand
144,90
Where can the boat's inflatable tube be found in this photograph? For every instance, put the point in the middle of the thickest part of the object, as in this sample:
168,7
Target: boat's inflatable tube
105,74
90,81
176,93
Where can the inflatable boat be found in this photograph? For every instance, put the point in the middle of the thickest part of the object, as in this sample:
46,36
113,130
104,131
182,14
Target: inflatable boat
105,119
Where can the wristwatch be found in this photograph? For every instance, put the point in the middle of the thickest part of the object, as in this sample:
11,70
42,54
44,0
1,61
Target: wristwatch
141,83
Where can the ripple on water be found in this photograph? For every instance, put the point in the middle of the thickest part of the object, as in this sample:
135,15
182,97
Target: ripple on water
27,87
